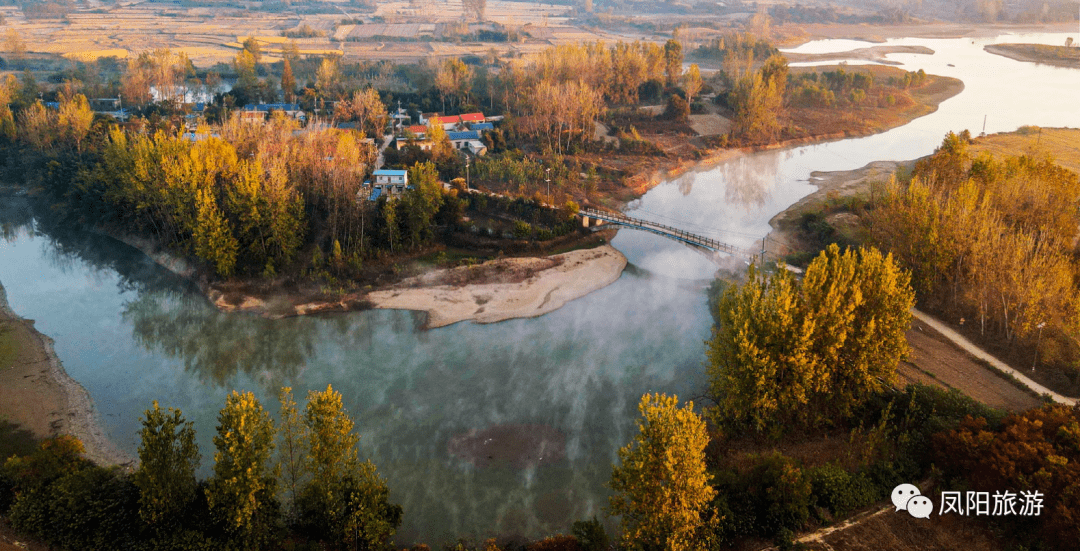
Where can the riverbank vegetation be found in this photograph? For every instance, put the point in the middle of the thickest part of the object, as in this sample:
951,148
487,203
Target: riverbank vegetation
315,492
991,245
987,226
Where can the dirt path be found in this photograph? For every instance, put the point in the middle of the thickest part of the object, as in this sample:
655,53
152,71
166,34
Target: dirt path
982,355
936,360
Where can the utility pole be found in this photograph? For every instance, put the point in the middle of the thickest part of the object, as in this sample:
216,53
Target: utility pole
547,173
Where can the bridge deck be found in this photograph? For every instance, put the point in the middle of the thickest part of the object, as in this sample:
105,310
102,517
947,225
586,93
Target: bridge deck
667,231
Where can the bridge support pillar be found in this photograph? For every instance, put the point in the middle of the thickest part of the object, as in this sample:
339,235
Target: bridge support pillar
584,221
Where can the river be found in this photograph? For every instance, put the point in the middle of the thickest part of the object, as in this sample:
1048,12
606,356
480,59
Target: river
562,388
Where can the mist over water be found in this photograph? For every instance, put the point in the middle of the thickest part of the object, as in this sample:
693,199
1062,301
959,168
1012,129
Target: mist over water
132,333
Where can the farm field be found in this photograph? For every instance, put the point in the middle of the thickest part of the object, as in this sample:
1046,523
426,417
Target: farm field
398,31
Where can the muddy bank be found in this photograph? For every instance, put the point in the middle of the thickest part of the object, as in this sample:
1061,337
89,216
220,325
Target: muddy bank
38,395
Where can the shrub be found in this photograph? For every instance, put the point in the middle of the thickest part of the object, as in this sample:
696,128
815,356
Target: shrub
590,535
839,491
781,494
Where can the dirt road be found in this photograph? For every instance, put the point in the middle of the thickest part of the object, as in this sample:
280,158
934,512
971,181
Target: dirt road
935,360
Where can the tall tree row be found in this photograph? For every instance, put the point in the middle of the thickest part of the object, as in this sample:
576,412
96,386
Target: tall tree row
988,239
790,354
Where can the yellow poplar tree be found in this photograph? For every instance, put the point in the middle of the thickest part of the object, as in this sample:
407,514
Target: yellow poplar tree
662,485
293,435
241,491
214,241
785,354
346,501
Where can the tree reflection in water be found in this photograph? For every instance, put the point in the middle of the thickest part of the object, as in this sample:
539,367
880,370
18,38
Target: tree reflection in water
215,345
751,178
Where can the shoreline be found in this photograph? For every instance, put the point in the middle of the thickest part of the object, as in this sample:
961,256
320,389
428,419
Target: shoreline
1016,52
564,277
880,33
836,184
38,395
448,305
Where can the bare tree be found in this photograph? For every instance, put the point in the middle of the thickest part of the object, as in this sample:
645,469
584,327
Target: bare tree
475,7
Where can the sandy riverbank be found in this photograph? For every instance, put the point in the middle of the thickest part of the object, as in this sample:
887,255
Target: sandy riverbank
1058,56
511,287
38,396
874,53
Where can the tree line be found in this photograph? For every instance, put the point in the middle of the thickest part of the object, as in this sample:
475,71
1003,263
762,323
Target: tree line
243,198
990,240
298,481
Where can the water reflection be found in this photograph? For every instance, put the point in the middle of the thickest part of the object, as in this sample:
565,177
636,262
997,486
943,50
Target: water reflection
216,346
71,249
750,179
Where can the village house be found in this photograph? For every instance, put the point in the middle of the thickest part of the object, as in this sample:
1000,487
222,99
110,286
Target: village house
467,141
387,182
452,122
259,112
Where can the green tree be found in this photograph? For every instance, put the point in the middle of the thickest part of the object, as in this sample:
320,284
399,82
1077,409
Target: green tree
421,203
346,502
168,458
214,241
293,435
673,59
785,355
252,46
246,65
662,485
241,493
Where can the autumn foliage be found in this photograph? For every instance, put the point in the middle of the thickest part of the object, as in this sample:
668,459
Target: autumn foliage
788,354
990,240
1037,450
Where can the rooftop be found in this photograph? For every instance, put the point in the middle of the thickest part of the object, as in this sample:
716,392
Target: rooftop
469,135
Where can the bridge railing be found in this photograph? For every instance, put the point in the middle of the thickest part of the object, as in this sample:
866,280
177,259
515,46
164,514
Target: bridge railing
619,218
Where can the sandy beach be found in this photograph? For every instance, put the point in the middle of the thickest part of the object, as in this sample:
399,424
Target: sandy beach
38,396
528,287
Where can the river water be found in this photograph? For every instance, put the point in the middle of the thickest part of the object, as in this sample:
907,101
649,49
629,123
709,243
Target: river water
561,389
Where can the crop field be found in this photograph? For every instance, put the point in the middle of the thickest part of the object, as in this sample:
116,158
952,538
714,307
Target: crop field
400,31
